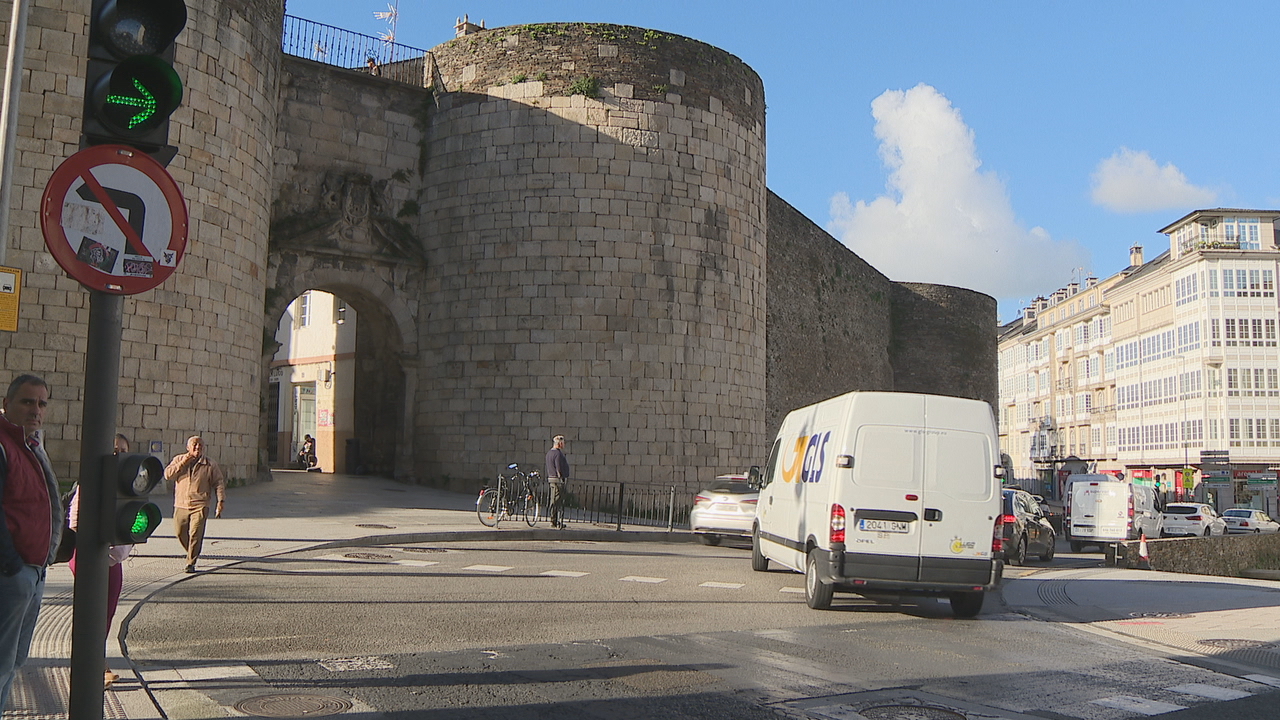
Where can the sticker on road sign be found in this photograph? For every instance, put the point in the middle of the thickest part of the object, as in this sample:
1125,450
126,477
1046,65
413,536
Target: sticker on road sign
114,219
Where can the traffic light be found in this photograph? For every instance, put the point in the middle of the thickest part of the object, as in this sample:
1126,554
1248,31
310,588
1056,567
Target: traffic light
131,88
134,476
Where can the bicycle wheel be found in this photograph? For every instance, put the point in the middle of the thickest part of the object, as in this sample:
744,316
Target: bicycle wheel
534,507
487,507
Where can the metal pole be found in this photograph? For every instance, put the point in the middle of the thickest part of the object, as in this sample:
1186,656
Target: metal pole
671,510
89,610
621,487
9,118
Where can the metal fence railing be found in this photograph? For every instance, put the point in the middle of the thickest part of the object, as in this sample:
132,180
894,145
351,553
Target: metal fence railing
618,504
353,51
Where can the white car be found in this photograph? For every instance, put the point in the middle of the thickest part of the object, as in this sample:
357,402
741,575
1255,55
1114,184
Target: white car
1248,520
1192,519
726,507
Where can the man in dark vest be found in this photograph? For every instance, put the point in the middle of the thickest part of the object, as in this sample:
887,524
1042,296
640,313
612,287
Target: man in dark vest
557,475
32,522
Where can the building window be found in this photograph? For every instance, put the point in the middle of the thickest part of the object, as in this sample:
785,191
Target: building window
302,309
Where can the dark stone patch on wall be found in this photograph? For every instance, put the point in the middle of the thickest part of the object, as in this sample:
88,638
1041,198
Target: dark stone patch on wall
944,341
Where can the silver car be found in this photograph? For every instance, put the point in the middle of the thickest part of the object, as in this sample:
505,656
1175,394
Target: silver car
726,507
1192,519
1249,520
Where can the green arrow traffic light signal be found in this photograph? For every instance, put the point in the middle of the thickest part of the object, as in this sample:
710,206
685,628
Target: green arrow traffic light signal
137,95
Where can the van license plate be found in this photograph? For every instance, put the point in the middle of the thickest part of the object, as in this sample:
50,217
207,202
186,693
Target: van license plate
883,526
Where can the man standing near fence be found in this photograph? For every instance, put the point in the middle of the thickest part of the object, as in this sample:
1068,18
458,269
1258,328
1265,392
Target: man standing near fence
557,475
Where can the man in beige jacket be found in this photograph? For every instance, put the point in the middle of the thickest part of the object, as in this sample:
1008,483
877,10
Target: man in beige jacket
195,478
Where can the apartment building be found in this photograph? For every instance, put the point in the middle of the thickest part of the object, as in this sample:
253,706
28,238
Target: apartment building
1166,372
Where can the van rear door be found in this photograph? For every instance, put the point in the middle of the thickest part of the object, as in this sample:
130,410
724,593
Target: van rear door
882,502
961,497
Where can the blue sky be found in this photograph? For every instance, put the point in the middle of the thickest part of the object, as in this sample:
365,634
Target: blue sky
1000,146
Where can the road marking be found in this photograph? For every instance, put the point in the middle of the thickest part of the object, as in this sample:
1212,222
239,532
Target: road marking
724,585
1139,705
642,579
488,568
563,573
797,590
356,663
1264,679
1213,692
415,563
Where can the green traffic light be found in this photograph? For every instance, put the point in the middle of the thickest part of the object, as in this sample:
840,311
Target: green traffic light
147,103
138,95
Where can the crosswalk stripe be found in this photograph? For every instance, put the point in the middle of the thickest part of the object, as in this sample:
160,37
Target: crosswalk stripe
563,573
642,579
724,585
1212,692
415,563
1139,705
796,590
488,568
1264,679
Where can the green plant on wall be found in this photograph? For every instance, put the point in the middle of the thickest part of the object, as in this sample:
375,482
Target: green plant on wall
589,86
409,209
518,78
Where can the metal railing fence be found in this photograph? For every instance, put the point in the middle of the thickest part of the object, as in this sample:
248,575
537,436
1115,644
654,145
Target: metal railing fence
353,51
618,504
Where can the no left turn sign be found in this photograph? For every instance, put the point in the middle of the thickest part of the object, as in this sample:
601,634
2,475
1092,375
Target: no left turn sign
114,219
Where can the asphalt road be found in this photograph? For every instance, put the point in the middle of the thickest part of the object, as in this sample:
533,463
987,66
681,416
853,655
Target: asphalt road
636,630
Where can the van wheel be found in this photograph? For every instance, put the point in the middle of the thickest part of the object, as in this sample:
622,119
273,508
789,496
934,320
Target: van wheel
966,604
759,562
709,539
817,594
1019,556
1077,547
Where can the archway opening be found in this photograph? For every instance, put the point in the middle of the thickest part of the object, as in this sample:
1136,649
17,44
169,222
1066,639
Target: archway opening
336,377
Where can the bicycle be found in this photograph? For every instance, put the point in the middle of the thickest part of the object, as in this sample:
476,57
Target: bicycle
516,495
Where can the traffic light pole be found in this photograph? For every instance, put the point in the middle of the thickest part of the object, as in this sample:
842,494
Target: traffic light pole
97,503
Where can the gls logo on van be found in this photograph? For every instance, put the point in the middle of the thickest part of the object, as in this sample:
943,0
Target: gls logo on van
810,456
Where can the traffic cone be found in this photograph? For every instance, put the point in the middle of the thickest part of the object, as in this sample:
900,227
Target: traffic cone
1144,557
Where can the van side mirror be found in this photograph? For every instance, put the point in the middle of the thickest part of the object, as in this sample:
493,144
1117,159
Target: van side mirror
753,476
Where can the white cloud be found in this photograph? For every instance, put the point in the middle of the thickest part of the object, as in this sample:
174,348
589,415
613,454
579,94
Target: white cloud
942,220
1132,182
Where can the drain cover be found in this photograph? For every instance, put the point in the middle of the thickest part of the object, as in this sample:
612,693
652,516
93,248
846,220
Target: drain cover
293,705
377,526
367,556
1235,644
424,550
909,712
1161,615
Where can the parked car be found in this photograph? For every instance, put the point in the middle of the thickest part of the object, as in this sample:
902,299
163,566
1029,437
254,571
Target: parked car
1249,520
726,507
1026,529
1192,519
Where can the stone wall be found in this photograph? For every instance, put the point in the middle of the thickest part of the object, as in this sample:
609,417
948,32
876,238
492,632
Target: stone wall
944,342
191,354
830,323
596,264
1228,555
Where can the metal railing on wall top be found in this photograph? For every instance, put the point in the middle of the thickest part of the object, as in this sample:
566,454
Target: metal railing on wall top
362,53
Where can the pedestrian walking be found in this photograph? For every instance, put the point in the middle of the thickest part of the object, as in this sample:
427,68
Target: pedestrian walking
557,476
33,522
195,480
115,559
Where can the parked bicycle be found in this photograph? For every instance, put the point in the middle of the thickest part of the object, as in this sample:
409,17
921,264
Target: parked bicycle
518,494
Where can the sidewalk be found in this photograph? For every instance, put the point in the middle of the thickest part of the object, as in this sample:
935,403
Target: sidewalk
1229,624
297,511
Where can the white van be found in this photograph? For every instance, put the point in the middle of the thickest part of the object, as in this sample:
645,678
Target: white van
1102,509
884,493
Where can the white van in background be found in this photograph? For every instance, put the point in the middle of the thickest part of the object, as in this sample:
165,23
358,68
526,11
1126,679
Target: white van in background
1101,510
884,493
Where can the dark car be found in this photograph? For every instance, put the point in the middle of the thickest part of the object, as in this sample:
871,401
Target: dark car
1026,529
